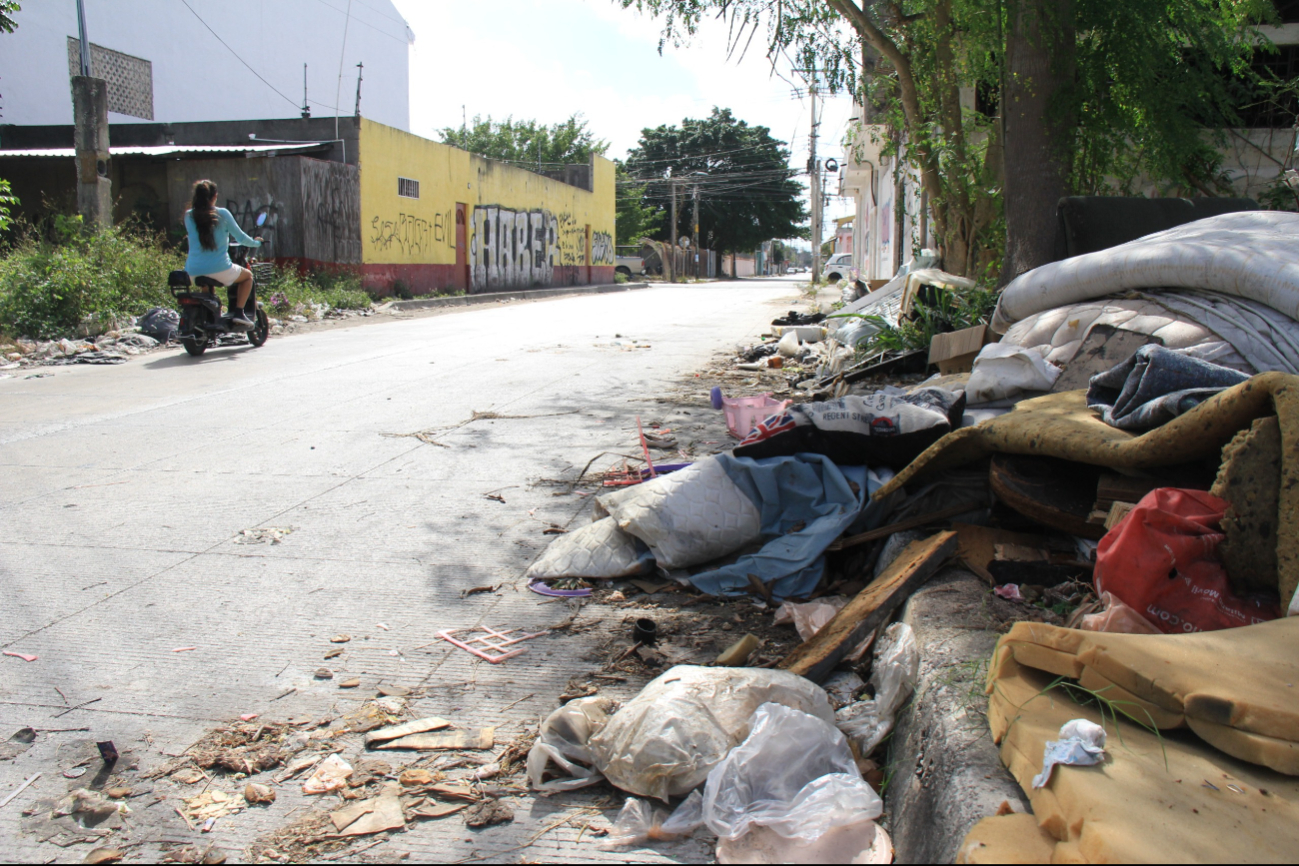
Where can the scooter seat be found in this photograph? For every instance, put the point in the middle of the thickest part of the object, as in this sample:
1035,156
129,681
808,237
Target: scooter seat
207,283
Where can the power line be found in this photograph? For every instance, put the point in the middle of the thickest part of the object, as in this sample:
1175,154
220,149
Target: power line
292,102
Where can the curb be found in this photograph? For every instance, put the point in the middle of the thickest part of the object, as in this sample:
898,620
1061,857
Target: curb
522,295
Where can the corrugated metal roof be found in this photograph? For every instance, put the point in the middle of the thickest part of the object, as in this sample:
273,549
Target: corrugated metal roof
174,150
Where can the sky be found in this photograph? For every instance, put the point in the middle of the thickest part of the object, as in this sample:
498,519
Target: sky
545,60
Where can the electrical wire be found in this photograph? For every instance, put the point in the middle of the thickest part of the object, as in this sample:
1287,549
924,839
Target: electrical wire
292,102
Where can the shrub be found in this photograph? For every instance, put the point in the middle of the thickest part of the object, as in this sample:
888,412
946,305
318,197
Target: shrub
619,278
50,287
289,288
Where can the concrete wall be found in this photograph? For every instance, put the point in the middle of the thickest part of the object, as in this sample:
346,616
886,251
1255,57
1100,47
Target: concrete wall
478,224
274,38
312,207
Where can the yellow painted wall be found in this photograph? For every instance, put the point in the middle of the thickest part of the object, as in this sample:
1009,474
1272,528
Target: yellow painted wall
523,229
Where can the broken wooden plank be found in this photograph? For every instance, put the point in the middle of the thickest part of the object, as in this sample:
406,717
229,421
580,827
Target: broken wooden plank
872,607
481,738
419,726
977,545
904,525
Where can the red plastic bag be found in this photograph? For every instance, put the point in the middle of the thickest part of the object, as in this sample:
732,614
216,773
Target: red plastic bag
1160,559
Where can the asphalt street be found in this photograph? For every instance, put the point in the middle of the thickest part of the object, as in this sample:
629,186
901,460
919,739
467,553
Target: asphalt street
181,537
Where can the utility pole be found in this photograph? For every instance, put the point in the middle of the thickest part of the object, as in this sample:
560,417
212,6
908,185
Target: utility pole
814,169
673,183
360,68
306,106
90,114
695,235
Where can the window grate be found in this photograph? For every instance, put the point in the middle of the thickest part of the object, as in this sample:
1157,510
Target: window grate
407,188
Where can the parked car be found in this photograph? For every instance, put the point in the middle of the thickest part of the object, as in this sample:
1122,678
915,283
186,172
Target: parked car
629,266
838,268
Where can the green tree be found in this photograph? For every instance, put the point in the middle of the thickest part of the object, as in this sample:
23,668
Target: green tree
746,189
7,200
1100,94
528,143
7,10
634,217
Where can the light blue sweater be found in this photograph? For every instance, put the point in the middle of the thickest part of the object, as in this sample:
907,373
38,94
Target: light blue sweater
202,262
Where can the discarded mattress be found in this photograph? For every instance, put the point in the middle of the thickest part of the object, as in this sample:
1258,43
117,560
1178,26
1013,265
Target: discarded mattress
599,549
1061,425
886,428
1231,687
1154,799
1249,254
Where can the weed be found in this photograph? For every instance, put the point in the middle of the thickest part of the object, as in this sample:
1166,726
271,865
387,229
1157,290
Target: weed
52,286
620,278
950,311
288,289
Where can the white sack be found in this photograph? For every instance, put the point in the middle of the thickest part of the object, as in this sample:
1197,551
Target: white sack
694,515
600,549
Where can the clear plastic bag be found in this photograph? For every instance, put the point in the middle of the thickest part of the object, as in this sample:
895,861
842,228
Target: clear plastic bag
794,775
894,675
639,822
563,740
664,742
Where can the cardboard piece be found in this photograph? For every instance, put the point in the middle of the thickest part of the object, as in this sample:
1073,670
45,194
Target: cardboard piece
955,351
481,738
369,816
419,726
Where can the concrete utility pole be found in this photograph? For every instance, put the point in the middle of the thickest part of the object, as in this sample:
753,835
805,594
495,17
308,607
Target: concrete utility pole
672,182
90,114
814,169
695,235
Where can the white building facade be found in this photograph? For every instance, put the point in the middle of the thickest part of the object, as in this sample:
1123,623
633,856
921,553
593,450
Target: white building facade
171,61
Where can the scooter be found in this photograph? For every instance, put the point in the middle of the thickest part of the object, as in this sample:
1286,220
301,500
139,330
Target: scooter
201,322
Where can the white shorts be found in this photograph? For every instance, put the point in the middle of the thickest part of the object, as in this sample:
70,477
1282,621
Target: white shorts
228,277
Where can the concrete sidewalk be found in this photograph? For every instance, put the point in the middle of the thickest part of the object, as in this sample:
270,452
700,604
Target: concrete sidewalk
136,500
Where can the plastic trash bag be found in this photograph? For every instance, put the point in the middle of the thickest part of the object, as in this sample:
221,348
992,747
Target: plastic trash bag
159,323
563,740
664,741
1081,744
894,675
811,616
1116,617
863,842
1002,371
639,822
794,775
1175,533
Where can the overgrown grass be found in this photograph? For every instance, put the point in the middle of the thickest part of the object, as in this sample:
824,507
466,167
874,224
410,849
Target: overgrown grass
53,283
289,291
59,279
953,310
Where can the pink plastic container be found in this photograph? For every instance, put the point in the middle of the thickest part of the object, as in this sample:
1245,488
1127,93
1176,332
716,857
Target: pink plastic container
744,413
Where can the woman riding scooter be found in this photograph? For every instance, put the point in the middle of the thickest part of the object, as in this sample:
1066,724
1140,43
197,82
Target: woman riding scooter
210,228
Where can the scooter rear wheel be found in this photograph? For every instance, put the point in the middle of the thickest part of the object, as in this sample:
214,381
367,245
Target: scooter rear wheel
195,340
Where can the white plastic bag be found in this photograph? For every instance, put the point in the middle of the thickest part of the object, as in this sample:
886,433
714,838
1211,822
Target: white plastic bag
639,823
1002,371
810,617
794,775
894,675
563,741
663,742
863,842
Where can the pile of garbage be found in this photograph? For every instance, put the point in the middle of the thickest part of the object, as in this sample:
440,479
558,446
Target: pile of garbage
1116,453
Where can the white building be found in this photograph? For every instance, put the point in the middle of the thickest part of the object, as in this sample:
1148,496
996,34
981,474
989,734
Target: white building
171,61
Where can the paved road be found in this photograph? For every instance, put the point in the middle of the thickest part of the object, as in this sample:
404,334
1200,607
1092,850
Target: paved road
124,492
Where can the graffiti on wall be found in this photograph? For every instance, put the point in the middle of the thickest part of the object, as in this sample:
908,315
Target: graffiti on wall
331,212
602,251
412,235
246,215
511,249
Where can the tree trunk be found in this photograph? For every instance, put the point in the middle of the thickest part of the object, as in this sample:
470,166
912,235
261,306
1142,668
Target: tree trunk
1039,64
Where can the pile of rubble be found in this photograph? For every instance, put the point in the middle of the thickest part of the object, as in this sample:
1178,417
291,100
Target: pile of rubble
1128,416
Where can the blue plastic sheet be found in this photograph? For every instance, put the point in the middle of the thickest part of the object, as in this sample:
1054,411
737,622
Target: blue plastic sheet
806,502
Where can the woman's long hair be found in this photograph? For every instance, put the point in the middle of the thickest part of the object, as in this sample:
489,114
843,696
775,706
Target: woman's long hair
203,211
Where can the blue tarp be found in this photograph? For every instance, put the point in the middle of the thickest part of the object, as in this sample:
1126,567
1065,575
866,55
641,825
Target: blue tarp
806,502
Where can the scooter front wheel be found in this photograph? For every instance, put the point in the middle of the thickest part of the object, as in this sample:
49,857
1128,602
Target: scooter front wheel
261,329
